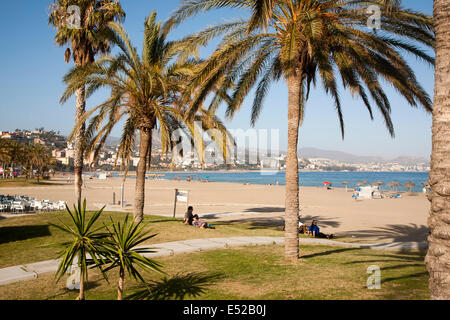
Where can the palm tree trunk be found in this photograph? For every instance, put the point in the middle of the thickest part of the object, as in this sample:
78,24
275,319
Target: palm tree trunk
292,188
120,284
81,295
79,145
145,142
438,256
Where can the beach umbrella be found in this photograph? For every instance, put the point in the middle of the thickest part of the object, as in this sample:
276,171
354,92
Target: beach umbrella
345,183
409,185
394,185
326,182
378,183
362,183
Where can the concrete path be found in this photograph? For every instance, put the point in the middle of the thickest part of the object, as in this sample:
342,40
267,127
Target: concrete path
34,270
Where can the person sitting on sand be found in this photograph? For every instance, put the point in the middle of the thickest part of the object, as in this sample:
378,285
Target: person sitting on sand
188,216
315,231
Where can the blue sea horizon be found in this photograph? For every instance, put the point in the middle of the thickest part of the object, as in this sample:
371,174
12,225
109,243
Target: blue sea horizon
306,179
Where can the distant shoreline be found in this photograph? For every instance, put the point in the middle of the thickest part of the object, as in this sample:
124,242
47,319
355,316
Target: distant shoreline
248,171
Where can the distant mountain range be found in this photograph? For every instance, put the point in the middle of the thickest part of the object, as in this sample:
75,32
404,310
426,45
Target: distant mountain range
351,158
114,141
315,153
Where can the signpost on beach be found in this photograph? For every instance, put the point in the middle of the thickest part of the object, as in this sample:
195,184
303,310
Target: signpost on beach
122,195
180,196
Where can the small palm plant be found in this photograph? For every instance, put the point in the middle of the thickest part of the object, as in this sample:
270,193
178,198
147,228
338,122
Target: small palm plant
86,240
123,251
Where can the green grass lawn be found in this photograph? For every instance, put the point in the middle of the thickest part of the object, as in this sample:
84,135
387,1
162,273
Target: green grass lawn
258,272
261,272
23,239
21,182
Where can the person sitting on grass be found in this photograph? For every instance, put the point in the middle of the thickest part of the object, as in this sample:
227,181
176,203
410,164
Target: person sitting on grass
200,223
301,227
315,231
188,216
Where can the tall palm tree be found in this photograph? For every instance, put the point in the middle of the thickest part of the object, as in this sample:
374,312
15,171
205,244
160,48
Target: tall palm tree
145,90
307,40
438,256
86,40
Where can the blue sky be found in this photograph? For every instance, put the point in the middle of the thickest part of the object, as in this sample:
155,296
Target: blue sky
32,67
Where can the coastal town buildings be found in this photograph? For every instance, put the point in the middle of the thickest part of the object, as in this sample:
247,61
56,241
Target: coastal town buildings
63,152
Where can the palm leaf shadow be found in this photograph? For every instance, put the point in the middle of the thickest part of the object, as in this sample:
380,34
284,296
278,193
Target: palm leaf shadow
177,287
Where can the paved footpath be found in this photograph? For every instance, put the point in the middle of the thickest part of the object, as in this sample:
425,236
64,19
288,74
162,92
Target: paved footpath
34,270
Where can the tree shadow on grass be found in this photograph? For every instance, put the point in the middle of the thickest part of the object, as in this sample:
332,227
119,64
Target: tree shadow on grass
326,253
401,256
19,233
278,222
88,286
265,209
394,232
408,276
177,287
400,266
254,223
161,221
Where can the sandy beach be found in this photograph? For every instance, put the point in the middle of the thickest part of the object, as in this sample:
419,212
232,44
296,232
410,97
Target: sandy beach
389,220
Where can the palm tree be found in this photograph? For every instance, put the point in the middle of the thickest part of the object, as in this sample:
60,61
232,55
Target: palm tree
16,153
300,41
86,240
86,40
37,157
5,157
145,90
123,252
438,256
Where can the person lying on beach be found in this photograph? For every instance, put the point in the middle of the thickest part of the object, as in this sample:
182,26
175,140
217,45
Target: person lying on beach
188,216
200,223
315,231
